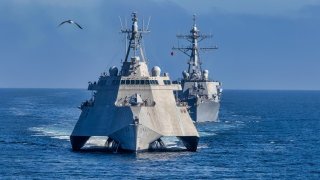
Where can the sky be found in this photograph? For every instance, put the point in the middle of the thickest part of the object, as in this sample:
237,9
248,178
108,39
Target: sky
263,44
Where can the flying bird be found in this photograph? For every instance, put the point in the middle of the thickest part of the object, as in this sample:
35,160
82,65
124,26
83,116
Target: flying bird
70,22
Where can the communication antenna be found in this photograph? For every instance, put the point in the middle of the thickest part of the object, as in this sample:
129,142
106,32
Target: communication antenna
121,22
134,36
142,24
148,23
192,51
125,23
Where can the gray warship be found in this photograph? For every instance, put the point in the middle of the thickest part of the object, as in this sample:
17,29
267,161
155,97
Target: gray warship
132,108
201,93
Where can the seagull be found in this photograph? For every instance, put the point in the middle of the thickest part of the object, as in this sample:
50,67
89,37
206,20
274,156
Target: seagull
70,22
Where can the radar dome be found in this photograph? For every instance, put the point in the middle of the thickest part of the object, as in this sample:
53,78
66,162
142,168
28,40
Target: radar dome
185,75
195,28
206,74
113,71
156,71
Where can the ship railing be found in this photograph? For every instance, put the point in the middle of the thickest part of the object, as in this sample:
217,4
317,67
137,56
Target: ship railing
87,103
92,85
176,82
202,80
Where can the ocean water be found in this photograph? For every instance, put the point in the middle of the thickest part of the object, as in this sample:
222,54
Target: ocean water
260,135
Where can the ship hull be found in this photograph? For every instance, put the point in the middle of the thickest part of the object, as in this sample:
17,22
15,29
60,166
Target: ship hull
208,111
132,135
204,111
135,137
203,98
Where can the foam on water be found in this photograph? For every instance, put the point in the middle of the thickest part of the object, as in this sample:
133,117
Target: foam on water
18,111
96,141
51,131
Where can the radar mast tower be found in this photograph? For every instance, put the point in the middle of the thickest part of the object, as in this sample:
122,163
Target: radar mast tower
134,35
194,69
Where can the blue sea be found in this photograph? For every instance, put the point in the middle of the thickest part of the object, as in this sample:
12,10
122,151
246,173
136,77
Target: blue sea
260,135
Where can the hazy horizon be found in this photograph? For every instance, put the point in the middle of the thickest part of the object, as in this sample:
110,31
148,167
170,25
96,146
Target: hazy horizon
263,45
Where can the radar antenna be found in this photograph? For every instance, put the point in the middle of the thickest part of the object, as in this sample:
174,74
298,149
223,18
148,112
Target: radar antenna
134,35
192,51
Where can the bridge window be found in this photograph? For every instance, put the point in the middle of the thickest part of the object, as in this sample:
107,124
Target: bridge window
138,82
167,82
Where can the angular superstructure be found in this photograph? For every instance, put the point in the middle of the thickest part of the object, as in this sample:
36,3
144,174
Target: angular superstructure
133,108
201,93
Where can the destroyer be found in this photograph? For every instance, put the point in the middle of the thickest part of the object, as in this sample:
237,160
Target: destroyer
201,93
133,109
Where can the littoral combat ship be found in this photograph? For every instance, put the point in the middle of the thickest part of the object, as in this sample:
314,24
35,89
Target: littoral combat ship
202,94
133,109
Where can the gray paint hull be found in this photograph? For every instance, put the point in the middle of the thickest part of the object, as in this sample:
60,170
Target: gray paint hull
205,111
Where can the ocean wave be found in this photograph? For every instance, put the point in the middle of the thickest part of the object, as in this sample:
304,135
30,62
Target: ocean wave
96,141
18,111
52,132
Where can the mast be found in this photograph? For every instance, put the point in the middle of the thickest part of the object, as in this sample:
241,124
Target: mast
194,68
134,35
